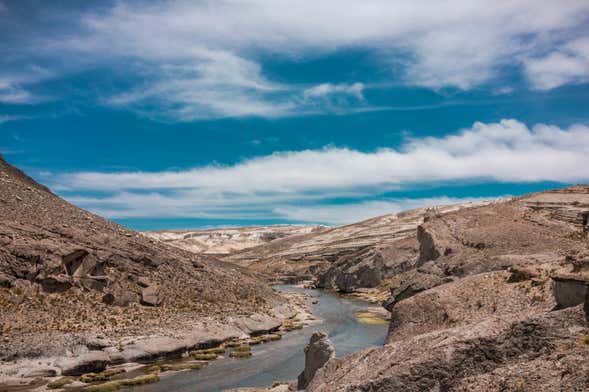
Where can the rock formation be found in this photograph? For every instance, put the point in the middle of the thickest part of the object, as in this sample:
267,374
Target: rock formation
317,353
347,258
497,299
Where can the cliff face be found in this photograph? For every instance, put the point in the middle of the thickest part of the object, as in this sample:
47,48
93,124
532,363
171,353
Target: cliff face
346,258
67,272
497,299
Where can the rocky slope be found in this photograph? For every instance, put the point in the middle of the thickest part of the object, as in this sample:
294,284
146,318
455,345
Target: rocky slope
72,283
497,299
224,241
494,298
347,258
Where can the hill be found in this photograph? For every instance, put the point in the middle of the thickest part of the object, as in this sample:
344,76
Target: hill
69,277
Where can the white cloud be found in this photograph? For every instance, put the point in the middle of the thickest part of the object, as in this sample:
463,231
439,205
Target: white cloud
14,94
456,43
327,89
275,184
215,48
218,85
566,65
505,151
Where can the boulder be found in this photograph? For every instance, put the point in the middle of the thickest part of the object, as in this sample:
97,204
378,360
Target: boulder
143,281
427,245
569,290
151,348
5,280
257,323
151,296
92,362
317,353
56,283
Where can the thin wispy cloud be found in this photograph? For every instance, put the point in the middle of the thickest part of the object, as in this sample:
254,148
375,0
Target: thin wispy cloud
507,151
7,118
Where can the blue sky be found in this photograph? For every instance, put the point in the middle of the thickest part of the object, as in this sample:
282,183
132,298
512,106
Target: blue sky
183,114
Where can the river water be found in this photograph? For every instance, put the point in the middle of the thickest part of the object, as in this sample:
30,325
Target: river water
284,359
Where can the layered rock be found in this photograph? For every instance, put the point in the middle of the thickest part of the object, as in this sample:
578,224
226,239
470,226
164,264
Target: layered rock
497,299
346,258
523,352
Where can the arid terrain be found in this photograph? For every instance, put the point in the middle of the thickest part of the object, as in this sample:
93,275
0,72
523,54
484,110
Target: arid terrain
482,296
495,299
78,291
223,241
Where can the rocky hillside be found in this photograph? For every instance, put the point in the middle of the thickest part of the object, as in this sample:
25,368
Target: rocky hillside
347,258
496,299
223,241
68,276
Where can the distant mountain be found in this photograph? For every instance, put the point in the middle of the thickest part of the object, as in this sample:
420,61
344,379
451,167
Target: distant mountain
223,241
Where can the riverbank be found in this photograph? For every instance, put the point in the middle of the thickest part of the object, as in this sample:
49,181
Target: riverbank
283,359
100,353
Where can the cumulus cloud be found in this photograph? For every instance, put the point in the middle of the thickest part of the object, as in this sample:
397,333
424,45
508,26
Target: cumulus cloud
507,151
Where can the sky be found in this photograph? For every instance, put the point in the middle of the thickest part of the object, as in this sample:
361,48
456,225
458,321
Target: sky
188,114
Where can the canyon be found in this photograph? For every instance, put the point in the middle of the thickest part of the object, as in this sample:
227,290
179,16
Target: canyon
480,296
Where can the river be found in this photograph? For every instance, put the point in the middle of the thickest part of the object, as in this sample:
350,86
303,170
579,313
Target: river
284,359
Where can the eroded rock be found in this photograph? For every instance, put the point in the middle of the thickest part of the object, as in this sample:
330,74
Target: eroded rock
317,353
569,290
92,362
151,296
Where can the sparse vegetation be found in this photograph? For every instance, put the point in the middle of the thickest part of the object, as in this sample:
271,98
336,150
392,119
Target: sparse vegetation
240,354
116,385
60,383
106,387
242,348
140,380
204,357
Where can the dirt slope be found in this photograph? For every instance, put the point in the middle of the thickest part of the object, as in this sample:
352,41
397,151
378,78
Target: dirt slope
66,273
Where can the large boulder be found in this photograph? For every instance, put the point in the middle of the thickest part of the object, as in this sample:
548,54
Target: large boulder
317,353
151,296
569,290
